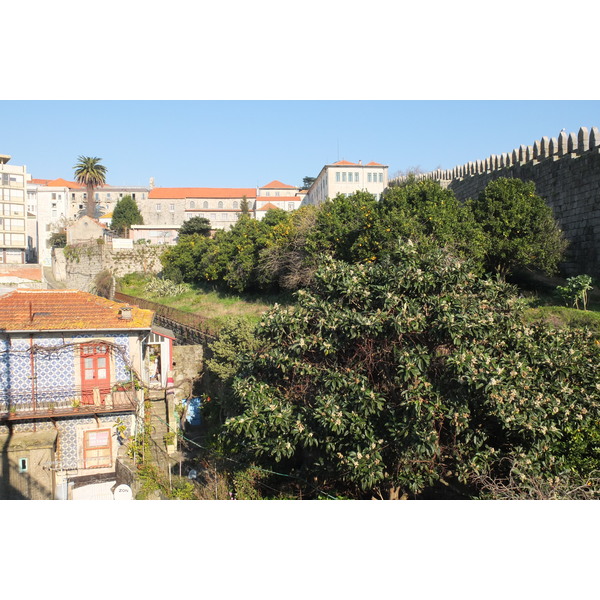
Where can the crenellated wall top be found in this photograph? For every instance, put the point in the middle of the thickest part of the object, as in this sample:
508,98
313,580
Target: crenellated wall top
571,145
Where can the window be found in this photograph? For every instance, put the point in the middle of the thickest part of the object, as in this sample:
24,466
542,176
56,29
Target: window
350,177
290,206
235,204
277,193
108,195
97,449
337,177
380,177
23,465
133,196
344,176
213,217
220,205
267,193
192,204
356,177
205,204
369,177
171,208
72,197
97,196
53,196
158,207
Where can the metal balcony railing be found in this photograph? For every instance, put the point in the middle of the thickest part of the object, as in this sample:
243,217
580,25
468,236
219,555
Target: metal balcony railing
16,405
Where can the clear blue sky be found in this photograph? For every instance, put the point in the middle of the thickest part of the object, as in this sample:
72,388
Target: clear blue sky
247,143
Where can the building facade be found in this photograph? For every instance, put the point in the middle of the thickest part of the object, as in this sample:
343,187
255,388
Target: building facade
345,177
58,202
14,243
67,363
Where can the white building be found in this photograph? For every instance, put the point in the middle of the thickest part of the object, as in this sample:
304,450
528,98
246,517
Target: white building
58,202
345,177
13,217
276,195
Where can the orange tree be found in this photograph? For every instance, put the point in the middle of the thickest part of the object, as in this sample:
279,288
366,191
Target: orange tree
394,377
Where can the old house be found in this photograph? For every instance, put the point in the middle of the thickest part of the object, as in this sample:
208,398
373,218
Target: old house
70,363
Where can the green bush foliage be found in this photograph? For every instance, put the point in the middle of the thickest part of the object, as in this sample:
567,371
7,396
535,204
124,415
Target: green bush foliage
576,291
396,376
125,215
195,225
519,227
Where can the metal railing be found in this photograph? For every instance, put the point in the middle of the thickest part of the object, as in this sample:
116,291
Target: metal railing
15,404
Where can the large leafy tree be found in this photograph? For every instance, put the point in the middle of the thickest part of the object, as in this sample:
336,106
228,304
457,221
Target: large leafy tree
126,214
399,376
91,173
519,227
195,225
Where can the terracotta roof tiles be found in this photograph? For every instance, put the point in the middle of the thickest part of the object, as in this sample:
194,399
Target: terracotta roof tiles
175,193
63,310
278,185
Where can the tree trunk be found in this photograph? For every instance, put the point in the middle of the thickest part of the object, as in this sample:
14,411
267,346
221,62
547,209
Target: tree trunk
394,494
91,203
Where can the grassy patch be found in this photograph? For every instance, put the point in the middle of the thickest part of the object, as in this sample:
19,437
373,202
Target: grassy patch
213,305
544,307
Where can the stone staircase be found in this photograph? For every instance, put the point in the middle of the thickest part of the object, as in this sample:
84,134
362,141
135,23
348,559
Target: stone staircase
158,420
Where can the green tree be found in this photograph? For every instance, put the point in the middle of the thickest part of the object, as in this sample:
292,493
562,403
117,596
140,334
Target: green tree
519,226
126,214
91,173
307,182
195,225
431,216
245,207
399,376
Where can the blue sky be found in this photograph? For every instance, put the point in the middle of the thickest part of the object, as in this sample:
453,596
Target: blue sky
238,143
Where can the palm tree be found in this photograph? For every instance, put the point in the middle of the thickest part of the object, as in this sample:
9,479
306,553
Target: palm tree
89,172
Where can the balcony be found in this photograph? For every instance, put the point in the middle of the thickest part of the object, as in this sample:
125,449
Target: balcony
47,404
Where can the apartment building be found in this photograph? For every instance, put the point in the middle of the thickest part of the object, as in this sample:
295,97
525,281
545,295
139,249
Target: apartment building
14,243
344,177
57,202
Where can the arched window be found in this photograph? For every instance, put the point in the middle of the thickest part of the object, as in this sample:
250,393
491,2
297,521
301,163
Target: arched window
192,204
205,204
220,204
235,204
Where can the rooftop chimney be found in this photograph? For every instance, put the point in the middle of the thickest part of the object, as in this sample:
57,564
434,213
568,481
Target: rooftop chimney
126,313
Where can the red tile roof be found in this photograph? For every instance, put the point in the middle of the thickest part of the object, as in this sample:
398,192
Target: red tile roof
175,193
344,162
269,206
64,183
278,185
374,164
60,182
63,310
277,198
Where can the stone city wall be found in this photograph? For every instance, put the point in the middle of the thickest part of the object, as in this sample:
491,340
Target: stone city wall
566,173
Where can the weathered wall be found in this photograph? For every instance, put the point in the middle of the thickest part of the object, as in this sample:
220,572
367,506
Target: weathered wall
187,366
78,265
566,173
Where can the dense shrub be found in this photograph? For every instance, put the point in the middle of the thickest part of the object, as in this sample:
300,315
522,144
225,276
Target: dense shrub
391,377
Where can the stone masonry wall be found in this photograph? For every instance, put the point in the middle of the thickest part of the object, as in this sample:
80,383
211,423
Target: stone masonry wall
566,173
78,265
